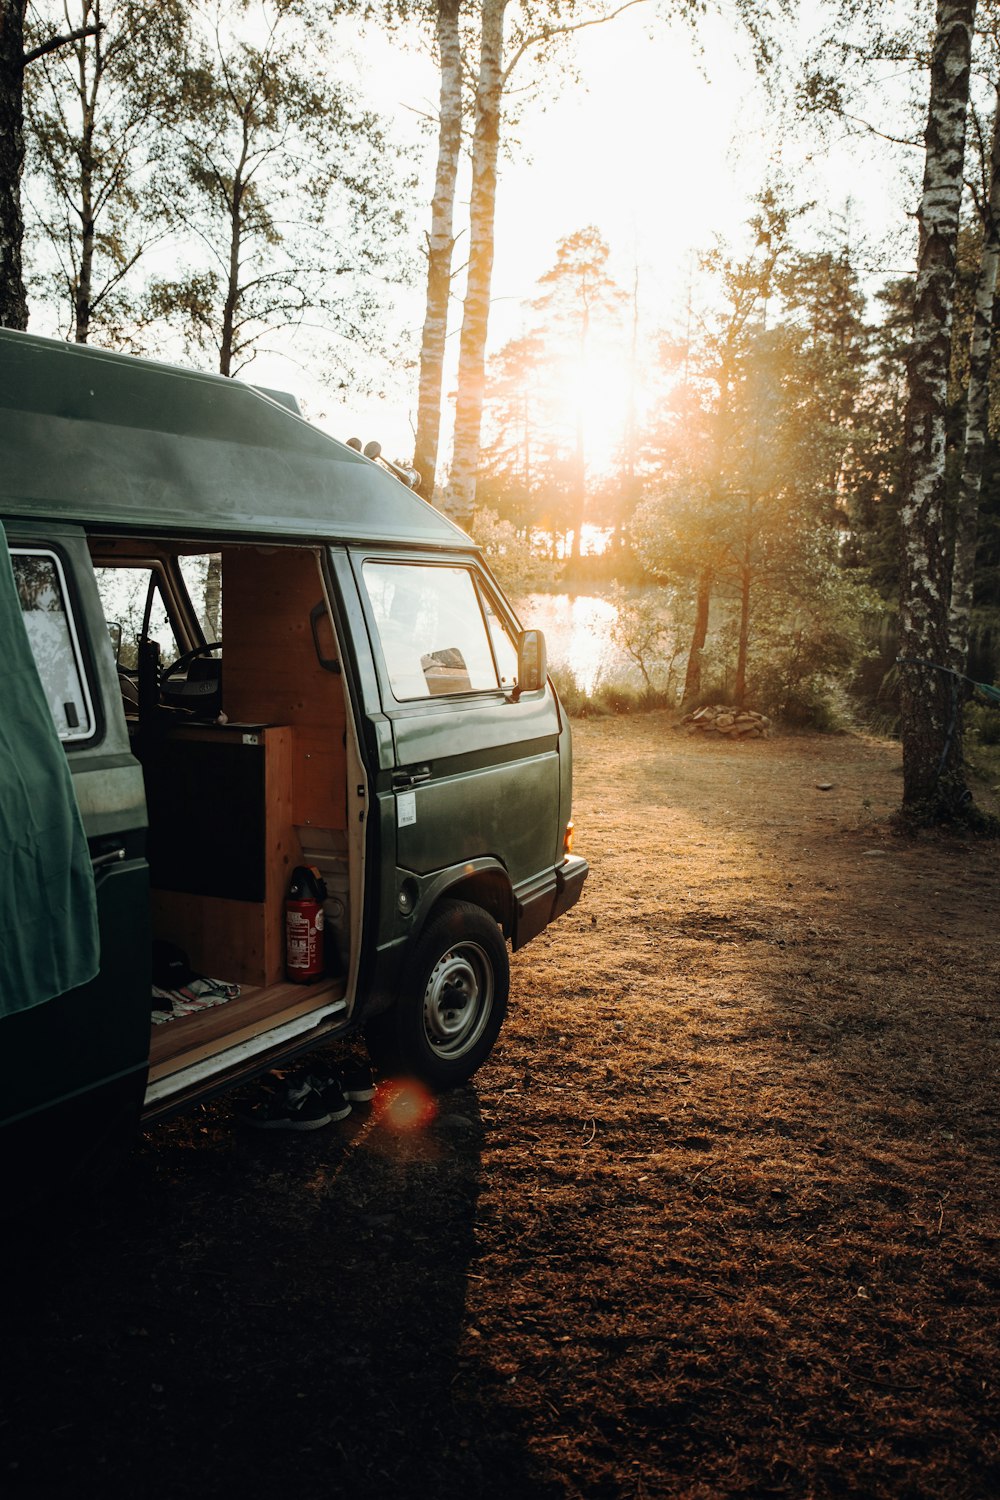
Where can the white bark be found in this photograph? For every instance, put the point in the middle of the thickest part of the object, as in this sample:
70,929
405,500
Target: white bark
440,246
475,320
932,757
977,413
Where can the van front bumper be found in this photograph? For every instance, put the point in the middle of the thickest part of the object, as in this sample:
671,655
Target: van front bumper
548,898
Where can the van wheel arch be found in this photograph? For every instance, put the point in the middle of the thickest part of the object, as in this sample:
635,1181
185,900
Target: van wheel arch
452,1001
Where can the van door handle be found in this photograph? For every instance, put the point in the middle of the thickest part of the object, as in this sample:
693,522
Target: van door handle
109,857
403,779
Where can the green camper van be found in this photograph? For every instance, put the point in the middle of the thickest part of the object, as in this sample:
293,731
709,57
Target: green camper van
234,648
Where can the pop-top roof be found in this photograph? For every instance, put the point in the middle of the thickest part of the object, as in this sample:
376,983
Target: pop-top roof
93,437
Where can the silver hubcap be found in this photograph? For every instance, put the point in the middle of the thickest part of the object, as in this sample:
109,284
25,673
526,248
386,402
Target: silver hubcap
458,999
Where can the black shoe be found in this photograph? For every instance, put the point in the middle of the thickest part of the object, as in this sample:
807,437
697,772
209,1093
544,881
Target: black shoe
357,1082
295,1106
333,1097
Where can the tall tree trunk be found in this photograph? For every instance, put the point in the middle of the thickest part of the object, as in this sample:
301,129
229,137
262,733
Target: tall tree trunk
977,414
699,635
13,299
475,318
933,778
233,279
83,290
440,246
739,690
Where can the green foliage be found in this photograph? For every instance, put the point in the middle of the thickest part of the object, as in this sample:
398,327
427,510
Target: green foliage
97,116
982,723
650,629
510,554
808,639
612,695
284,191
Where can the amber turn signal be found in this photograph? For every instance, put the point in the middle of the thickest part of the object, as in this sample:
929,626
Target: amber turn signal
568,839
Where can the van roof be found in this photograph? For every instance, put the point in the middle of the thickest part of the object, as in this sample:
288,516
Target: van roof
109,440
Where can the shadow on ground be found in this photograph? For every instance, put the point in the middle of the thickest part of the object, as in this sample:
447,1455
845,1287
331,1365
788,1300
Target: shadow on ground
259,1314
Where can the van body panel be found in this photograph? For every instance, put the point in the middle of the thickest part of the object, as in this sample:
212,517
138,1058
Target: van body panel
123,443
94,1034
98,1032
475,774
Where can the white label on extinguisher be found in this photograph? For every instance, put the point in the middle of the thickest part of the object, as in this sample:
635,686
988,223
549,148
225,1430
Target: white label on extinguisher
406,809
297,940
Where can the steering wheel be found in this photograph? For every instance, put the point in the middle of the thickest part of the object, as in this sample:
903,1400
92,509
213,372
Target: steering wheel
186,658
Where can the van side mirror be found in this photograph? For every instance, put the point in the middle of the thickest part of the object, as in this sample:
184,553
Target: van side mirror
532,662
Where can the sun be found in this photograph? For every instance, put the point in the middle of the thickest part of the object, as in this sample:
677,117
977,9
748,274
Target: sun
600,394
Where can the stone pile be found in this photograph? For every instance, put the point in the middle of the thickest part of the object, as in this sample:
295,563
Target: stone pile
720,718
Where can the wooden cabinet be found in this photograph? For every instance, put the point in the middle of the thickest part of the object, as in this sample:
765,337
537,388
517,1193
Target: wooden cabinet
222,846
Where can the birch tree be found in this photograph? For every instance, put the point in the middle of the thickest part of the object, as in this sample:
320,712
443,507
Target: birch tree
978,403
440,245
476,310
539,28
931,728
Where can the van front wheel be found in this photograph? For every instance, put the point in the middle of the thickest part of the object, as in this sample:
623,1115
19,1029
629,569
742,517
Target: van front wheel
453,1002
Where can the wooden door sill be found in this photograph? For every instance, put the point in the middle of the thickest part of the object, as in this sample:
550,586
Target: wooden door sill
178,1044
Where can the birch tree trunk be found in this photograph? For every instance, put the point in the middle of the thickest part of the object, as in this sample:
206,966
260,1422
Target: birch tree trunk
440,247
977,414
475,319
933,778
13,300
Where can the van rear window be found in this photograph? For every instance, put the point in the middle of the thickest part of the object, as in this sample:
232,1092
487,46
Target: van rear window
54,641
430,623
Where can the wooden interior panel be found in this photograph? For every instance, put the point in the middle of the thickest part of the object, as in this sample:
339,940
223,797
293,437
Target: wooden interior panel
241,940
271,674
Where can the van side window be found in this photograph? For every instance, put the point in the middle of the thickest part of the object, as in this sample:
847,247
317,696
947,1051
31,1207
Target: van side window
503,646
55,643
434,638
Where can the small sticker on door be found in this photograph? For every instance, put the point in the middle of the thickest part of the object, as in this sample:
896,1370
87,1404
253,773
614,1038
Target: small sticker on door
406,809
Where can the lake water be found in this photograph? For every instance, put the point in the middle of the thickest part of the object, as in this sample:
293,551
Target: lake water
577,631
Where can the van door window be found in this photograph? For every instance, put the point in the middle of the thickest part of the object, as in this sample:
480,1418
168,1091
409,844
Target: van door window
434,638
504,648
202,574
124,593
55,643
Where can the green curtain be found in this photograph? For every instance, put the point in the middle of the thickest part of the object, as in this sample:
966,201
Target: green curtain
49,939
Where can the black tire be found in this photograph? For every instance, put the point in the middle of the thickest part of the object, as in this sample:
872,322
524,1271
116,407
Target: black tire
451,1007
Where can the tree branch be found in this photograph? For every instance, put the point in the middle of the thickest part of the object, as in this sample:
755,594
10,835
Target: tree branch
550,31
55,42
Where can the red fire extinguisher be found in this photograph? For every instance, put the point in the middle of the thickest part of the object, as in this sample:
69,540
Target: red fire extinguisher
304,925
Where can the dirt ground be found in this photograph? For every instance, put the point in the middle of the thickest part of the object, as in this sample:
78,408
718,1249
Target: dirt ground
719,1218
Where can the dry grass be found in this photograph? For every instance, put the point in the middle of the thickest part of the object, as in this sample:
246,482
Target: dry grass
719,1218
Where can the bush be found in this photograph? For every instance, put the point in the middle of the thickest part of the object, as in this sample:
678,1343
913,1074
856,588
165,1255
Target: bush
615,695
982,720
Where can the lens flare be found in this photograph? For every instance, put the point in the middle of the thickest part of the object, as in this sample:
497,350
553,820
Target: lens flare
404,1105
